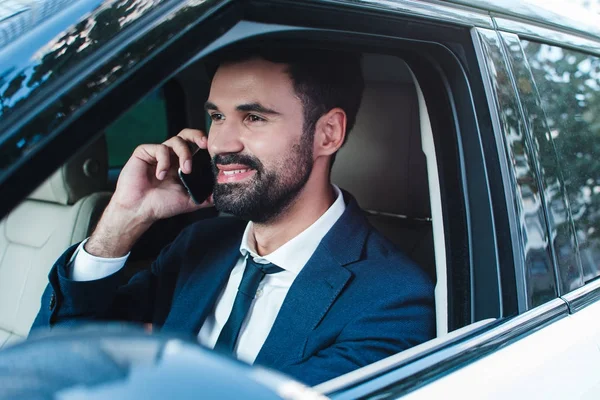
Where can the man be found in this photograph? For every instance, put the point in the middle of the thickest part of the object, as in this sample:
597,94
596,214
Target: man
307,286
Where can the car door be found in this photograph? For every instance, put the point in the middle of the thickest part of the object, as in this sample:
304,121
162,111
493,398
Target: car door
503,290
544,94
521,357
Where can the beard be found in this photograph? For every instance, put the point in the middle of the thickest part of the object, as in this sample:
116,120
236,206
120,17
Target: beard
269,192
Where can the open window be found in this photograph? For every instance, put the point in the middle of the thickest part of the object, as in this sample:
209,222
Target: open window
414,161
406,162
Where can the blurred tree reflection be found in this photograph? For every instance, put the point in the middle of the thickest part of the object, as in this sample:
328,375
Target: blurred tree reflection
70,49
569,85
539,275
19,87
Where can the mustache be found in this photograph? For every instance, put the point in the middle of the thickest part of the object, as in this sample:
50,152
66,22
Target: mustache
225,159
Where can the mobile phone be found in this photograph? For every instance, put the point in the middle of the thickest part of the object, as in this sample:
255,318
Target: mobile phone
200,182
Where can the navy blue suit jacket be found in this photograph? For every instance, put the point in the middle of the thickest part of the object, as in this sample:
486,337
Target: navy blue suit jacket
357,300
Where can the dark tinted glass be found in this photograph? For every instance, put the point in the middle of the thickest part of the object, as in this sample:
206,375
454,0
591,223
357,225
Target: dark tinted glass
41,57
545,160
146,122
537,271
569,86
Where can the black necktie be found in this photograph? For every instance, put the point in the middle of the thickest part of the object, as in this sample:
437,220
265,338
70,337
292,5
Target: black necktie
253,274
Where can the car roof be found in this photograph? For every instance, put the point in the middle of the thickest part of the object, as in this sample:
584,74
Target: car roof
560,14
19,16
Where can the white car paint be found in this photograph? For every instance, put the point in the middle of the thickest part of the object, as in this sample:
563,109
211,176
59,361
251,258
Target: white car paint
560,361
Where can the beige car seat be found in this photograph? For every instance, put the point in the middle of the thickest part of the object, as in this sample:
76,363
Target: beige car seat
384,167
59,213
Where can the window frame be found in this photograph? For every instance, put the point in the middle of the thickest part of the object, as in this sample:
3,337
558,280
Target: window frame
458,221
451,346
168,60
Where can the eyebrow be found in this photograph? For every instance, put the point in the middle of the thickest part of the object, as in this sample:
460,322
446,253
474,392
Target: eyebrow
257,107
210,106
250,107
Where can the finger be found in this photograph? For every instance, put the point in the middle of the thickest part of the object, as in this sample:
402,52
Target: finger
195,136
155,154
163,161
182,150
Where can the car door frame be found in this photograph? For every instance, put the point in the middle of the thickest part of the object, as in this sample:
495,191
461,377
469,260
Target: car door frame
62,133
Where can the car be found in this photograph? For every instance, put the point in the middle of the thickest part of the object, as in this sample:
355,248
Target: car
476,151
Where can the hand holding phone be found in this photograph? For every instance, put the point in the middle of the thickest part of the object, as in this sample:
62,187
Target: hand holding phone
200,182
149,189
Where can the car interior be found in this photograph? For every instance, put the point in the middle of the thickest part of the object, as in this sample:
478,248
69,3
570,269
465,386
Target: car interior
62,211
388,164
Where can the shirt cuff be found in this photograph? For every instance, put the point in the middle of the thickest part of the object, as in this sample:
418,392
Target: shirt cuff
86,267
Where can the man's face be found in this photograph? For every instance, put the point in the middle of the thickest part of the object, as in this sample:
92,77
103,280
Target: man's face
261,157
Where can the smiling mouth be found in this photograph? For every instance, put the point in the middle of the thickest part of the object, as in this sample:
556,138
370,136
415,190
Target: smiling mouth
235,171
231,174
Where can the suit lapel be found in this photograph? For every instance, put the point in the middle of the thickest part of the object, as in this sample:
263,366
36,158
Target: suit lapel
315,289
312,293
201,289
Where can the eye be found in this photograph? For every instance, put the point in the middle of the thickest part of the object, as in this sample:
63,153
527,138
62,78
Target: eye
216,117
254,118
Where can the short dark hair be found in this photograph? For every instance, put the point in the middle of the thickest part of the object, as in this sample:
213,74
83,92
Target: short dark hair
322,79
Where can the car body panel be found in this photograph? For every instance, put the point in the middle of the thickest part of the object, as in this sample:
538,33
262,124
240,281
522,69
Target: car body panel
453,354
583,297
433,10
559,361
550,13
548,35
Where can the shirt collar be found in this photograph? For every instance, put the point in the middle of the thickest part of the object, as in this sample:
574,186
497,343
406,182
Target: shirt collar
294,254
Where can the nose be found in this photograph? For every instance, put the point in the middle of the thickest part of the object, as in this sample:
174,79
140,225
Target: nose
224,138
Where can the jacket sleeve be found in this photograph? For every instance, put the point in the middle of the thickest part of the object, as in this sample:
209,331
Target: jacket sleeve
148,295
379,331
66,302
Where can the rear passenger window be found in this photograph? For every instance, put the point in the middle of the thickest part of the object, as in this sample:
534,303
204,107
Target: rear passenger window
569,85
146,122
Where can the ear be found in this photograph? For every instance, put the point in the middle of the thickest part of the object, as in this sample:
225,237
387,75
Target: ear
330,132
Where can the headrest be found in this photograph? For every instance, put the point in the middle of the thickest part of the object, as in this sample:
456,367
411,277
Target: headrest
382,164
85,173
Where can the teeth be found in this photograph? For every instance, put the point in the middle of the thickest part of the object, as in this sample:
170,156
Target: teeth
235,171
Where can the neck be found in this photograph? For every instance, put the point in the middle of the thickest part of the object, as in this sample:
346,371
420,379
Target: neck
310,204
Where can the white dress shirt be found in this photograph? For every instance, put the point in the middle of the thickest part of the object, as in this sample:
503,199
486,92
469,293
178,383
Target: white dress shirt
292,257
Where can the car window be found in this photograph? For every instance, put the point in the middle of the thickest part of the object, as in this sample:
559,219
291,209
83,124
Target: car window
146,122
534,270
569,85
408,219
560,233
